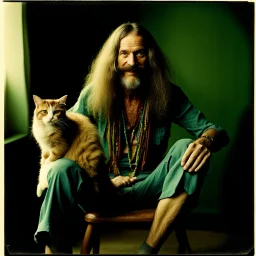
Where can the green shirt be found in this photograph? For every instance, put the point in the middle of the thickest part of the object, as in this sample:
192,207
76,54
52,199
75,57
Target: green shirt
182,112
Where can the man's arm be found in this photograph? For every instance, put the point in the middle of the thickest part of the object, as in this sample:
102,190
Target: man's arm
199,152
189,117
210,137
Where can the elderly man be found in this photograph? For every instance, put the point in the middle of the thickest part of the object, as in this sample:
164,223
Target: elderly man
129,96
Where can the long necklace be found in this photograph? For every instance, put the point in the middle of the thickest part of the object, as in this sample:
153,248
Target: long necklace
135,122
116,128
129,147
131,132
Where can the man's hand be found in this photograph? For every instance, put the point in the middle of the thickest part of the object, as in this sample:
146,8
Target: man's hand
123,181
195,156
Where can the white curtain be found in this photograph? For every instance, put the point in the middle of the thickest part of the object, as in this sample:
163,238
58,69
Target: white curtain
16,71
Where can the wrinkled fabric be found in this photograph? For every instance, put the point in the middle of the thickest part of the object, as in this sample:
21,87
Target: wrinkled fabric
70,193
182,113
70,189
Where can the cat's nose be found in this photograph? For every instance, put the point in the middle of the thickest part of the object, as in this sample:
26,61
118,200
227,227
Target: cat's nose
50,118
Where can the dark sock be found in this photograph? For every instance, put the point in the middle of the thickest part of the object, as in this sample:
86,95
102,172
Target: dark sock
147,249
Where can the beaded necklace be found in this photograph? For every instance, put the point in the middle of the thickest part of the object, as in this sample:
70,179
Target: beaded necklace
129,146
133,127
138,159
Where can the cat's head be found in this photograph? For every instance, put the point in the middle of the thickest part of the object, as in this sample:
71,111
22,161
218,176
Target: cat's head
49,111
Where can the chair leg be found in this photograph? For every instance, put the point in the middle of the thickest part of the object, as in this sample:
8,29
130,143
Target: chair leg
182,238
88,240
96,241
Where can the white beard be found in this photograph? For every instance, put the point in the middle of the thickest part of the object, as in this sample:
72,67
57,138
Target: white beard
130,83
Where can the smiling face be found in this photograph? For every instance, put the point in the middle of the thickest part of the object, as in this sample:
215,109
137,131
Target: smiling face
131,60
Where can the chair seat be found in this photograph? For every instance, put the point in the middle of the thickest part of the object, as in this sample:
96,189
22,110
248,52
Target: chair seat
93,219
146,215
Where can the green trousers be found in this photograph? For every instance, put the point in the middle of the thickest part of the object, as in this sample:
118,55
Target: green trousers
70,194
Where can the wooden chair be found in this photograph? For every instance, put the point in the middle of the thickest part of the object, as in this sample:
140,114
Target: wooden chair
94,219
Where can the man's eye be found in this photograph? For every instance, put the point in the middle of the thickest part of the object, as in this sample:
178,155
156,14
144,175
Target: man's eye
141,53
123,54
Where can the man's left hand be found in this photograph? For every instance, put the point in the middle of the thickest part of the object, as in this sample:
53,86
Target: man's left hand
195,156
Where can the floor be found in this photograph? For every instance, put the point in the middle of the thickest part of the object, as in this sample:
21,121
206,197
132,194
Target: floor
201,241
117,241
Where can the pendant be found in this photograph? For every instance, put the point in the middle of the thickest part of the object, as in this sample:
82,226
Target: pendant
132,174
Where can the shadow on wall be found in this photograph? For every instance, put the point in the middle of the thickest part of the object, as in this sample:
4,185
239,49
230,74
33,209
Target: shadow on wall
21,204
238,186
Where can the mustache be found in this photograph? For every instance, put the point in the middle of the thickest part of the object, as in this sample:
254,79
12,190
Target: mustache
131,69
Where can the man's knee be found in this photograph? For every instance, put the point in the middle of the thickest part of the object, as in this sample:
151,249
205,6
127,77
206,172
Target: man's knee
180,146
182,143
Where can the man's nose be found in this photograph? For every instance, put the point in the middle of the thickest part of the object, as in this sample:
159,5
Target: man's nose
131,60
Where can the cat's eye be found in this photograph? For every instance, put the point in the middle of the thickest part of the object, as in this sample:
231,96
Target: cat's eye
44,112
56,112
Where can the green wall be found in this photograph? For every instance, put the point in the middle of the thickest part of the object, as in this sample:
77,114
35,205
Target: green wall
212,57
210,46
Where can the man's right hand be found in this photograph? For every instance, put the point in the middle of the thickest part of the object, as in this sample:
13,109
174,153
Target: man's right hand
123,181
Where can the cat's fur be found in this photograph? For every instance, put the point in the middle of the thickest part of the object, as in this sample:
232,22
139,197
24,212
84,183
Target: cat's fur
61,133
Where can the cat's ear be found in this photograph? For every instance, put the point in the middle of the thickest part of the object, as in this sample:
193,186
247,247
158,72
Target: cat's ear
63,99
37,100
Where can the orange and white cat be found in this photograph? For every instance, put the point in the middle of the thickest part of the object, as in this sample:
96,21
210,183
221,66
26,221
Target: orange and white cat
60,133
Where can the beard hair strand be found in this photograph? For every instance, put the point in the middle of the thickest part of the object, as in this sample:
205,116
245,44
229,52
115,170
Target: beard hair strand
130,83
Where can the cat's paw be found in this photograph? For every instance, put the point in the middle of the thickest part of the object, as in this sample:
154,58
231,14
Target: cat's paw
39,191
47,161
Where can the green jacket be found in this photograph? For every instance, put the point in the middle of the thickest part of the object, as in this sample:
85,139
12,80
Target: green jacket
183,113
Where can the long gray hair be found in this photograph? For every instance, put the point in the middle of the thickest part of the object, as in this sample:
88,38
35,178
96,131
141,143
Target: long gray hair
103,78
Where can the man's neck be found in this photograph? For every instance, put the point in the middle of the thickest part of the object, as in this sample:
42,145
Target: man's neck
132,95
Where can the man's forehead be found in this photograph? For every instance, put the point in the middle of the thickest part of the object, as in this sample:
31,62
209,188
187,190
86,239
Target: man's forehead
131,41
